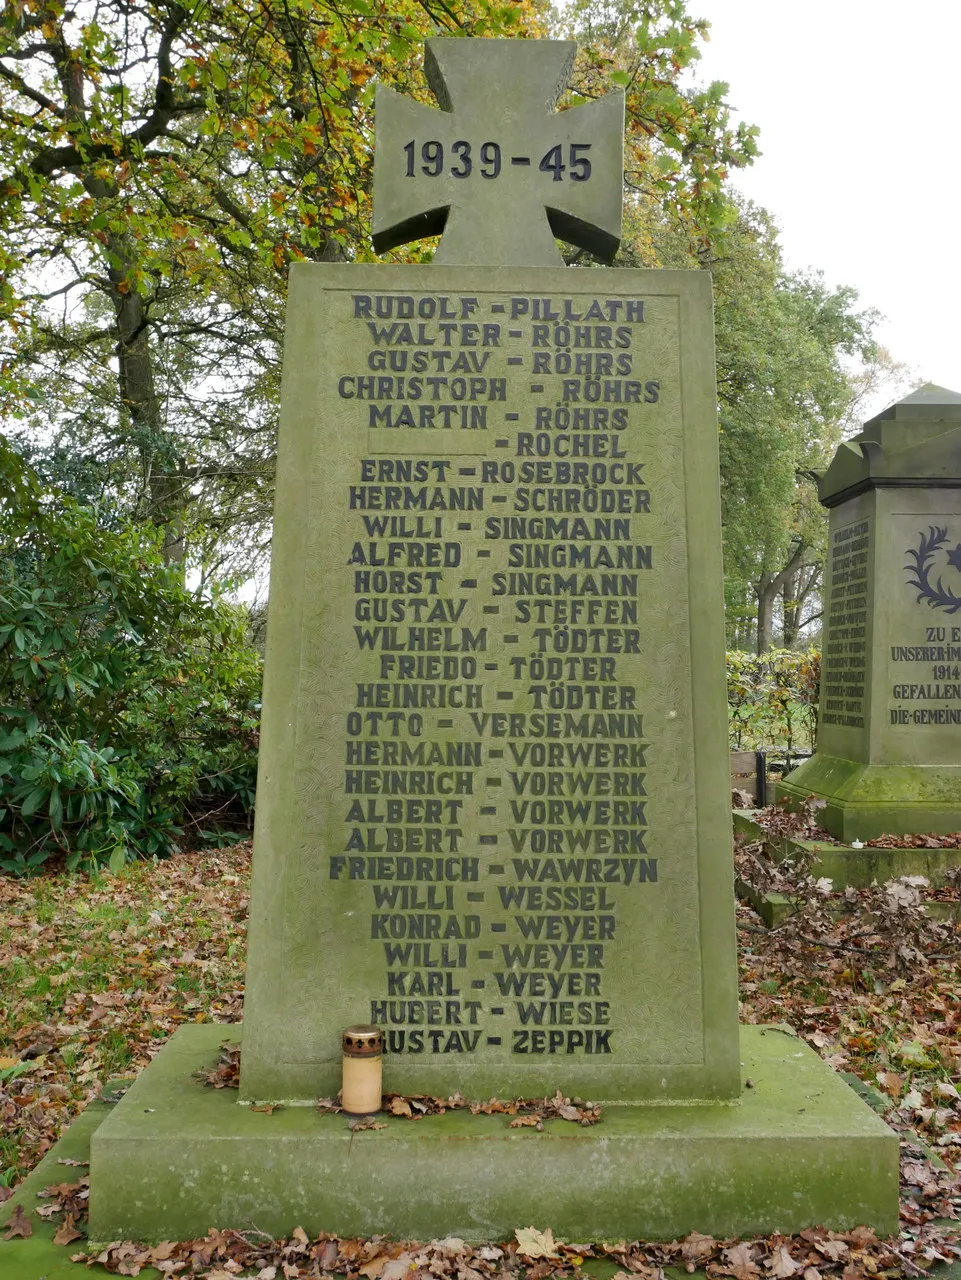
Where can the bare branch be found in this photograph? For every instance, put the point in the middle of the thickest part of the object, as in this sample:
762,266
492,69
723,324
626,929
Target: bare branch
34,95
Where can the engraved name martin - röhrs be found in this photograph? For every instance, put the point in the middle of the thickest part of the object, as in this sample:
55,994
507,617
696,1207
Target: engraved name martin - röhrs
498,170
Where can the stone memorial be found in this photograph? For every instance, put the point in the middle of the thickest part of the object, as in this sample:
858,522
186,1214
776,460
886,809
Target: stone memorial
492,805
889,727
484,546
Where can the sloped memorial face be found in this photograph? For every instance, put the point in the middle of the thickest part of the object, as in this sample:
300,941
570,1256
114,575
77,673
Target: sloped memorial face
492,808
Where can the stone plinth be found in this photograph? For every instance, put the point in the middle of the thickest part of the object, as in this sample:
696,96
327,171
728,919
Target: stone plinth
799,1149
889,733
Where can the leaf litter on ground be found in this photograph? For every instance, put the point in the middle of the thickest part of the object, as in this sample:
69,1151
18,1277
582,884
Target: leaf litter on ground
105,970
528,1112
533,1254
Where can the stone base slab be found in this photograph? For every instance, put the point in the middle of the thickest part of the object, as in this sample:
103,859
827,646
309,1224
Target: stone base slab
844,865
37,1257
773,908
863,801
175,1158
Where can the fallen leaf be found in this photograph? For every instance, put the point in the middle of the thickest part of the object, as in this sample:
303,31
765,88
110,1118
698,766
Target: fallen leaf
18,1225
397,1268
863,1237
781,1263
66,1233
836,1250
696,1246
891,1083
325,1255
740,1258
536,1244
164,1251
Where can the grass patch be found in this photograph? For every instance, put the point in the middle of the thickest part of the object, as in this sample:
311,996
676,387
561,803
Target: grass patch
98,972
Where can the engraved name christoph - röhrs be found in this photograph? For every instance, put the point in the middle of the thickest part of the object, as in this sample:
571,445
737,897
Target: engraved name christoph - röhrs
495,767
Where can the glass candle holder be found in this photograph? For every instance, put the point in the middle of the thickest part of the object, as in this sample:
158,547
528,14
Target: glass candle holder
363,1049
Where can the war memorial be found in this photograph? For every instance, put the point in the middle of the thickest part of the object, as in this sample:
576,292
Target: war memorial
493,807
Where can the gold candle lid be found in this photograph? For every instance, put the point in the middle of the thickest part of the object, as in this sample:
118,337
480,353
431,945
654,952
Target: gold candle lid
363,1041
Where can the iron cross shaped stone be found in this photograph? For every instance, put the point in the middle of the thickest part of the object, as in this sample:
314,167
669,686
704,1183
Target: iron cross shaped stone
497,169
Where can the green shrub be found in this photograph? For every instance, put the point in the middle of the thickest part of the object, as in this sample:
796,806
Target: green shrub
127,704
773,699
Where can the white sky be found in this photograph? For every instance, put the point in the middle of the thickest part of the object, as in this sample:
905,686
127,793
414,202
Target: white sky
859,106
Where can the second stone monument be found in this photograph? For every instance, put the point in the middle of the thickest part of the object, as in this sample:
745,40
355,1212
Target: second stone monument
889,731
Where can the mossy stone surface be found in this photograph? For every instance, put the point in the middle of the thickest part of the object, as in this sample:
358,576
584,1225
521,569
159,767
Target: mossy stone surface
799,1149
37,1257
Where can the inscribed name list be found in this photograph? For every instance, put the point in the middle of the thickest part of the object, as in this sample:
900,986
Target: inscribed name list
480,709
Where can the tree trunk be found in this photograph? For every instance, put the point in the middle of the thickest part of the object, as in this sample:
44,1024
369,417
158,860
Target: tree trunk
790,611
767,588
163,485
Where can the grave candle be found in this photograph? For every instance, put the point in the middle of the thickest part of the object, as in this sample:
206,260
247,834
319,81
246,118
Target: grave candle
363,1048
